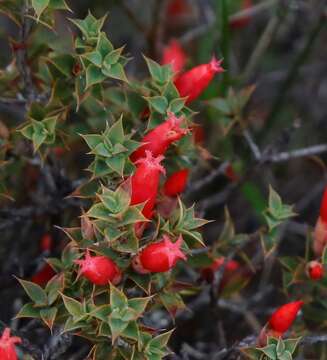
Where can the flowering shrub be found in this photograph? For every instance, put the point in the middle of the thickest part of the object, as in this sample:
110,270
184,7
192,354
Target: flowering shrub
82,294
133,246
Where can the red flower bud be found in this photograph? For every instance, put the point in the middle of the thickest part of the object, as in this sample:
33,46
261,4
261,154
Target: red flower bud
176,183
158,140
159,257
43,275
243,20
320,232
230,268
145,182
100,270
174,55
315,270
192,83
7,345
282,319
46,243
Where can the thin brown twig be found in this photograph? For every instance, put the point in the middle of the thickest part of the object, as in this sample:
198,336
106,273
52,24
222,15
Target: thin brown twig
201,183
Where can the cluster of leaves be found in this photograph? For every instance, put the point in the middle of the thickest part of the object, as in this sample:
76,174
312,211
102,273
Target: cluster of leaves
42,126
111,151
276,349
98,57
275,215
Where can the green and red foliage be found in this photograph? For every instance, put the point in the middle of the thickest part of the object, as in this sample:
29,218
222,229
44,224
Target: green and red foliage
123,243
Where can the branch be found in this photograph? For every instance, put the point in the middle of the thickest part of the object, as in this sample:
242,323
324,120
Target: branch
201,183
21,57
56,187
253,146
11,216
12,101
217,199
293,154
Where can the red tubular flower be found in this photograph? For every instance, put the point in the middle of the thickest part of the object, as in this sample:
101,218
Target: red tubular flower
159,257
176,183
46,243
320,232
282,319
192,83
158,140
43,275
241,21
7,345
315,270
99,270
174,55
145,182
323,207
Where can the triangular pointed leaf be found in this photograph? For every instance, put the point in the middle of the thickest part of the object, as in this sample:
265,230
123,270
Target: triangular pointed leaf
35,292
73,306
118,299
